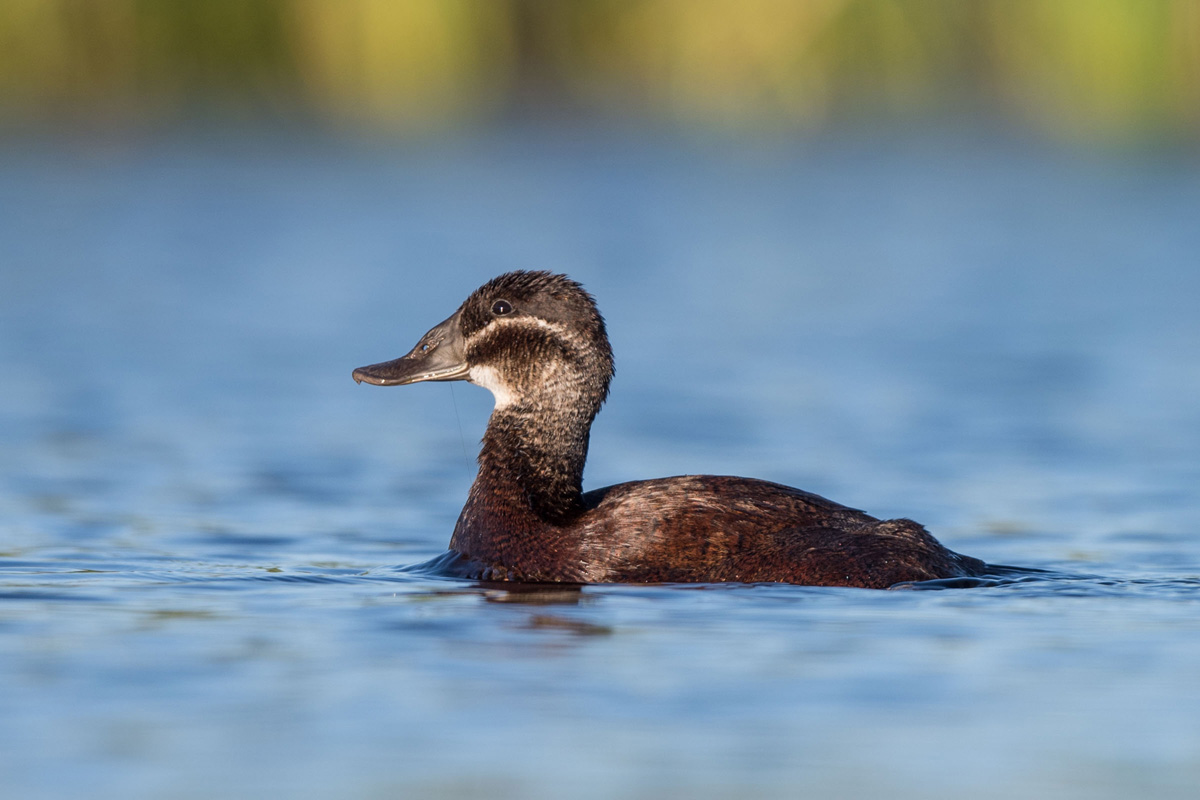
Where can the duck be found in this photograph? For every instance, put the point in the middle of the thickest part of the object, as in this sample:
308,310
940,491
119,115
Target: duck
538,342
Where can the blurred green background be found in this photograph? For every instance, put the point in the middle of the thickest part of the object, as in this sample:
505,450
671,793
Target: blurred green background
1079,69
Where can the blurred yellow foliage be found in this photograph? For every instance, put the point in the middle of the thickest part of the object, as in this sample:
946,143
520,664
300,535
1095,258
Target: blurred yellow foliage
1100,64
1081,67
419,63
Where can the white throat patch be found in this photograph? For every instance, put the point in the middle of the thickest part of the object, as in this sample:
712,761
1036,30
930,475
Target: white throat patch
490,379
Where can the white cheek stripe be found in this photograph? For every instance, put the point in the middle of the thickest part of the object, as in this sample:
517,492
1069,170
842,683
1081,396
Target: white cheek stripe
538,321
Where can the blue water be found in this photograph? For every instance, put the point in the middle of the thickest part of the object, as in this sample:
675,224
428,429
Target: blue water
204,522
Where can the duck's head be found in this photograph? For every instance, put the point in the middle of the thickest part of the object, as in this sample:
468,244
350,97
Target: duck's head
532,338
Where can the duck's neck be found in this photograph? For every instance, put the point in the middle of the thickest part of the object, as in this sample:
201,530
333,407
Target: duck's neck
533,455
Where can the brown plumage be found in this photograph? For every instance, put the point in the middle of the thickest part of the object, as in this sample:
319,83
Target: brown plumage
536,340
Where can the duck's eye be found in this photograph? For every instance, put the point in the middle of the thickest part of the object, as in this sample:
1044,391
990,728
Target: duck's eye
425,348
501,307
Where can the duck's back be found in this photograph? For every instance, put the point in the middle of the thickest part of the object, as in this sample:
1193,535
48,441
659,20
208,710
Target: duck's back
717,528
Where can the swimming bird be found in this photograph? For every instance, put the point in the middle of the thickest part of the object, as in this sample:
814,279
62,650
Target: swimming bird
537,341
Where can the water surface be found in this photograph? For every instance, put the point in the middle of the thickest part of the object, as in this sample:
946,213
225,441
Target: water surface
206,523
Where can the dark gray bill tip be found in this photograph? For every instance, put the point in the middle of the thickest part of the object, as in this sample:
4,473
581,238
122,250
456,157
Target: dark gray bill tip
370,375
394,373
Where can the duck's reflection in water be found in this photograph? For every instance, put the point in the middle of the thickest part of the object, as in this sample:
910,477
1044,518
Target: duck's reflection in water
537,594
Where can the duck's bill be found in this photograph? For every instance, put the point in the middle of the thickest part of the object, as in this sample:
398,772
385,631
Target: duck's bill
402,371
438,356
